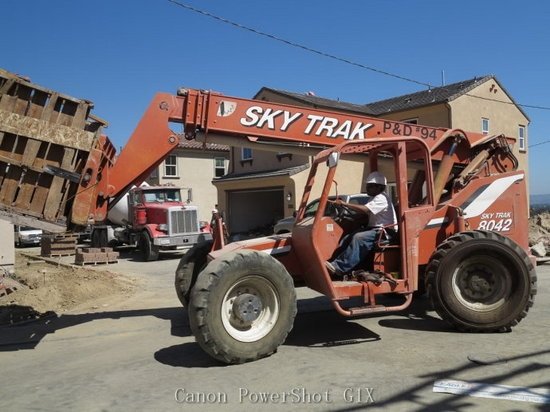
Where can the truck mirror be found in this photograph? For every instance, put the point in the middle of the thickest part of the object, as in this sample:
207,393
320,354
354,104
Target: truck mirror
332,159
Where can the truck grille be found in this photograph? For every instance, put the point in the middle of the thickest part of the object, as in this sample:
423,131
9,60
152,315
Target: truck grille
183,221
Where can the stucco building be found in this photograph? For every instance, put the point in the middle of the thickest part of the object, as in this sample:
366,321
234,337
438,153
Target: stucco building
7,248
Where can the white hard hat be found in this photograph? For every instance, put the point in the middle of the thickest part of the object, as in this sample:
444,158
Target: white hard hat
377,177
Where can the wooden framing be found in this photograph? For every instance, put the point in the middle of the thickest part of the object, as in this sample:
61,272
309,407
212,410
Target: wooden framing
45,136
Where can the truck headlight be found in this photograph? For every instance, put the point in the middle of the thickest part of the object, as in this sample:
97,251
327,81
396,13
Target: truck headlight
163,227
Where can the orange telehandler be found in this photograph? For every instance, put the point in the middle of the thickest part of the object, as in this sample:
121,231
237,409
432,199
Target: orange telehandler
460,200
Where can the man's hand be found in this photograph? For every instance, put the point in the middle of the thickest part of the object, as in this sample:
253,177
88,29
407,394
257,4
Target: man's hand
350,206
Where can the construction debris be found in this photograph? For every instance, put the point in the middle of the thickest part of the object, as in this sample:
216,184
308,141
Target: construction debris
539,235
539,249
8,286
492,391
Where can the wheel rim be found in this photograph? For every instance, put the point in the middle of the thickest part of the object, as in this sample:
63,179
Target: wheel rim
250,308
482,283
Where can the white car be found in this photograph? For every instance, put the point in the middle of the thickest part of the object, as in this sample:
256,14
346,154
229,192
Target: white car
26,236
285,225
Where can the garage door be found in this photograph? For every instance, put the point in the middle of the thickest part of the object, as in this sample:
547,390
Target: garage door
253,209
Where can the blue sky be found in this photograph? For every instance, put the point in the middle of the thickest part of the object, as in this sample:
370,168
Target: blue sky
119,53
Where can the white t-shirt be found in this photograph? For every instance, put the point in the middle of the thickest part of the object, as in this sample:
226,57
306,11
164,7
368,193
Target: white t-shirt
382,211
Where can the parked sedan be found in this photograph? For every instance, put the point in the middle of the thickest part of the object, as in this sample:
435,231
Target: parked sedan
26,236
285,225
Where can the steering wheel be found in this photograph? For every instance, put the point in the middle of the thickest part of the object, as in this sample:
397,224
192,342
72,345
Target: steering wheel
341,212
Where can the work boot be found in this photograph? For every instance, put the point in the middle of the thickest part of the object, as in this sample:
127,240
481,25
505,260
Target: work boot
332,269
364,276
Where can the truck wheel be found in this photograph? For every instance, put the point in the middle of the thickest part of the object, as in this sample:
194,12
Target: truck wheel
99,237
242,306
481,281
189,268
148,250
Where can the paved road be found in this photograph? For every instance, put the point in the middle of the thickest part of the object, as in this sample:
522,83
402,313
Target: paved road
139,354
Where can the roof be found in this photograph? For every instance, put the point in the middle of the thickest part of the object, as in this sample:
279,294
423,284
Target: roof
193,144
320,102
422,98
289,171
428,97
443,94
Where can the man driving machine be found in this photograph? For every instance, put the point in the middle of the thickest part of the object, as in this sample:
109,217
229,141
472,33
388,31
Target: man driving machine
381,217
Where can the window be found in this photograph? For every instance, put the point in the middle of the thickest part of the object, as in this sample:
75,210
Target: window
150,197
219,166
162,196
135,198
521,137
484,125
391,191
281,155
246,153
171,166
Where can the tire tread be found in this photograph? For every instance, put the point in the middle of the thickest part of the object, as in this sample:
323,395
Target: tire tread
198,308
441,253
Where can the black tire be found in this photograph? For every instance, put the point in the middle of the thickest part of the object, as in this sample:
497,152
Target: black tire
189,268
99,237
242,306
481,281
146,247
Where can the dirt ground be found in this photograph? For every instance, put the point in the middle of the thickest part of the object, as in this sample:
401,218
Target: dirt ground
46,289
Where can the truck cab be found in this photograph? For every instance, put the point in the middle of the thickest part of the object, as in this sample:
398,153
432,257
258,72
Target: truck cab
153,218
161,220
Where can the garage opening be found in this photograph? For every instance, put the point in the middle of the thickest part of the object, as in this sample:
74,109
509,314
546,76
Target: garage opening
255,210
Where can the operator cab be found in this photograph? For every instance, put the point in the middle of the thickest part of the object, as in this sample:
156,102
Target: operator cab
319,238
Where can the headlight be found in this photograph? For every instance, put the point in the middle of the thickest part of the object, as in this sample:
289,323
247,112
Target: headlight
163,227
